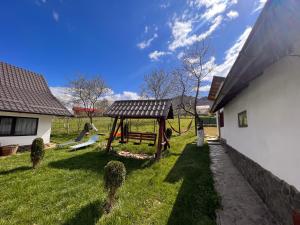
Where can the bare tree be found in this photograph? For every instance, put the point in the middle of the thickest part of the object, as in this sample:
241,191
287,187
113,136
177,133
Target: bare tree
88,92
102,106
157,85
197,64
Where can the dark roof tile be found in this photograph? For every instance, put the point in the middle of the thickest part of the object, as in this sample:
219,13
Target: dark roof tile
141,109
27,92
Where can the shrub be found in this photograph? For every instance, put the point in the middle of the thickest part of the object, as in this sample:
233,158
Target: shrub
87,127
169,133
37,151
114,177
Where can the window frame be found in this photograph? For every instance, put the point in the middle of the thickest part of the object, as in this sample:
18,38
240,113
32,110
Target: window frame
13,127
240,122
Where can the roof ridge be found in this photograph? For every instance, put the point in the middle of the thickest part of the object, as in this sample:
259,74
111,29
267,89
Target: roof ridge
22,69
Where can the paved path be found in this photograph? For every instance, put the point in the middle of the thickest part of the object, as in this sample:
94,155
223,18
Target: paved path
240,203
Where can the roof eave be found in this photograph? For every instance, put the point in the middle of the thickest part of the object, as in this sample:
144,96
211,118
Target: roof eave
36,113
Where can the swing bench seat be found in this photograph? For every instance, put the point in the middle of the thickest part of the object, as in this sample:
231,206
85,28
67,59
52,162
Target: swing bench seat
141,137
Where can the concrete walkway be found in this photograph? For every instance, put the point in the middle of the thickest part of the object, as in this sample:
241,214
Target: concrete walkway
240,203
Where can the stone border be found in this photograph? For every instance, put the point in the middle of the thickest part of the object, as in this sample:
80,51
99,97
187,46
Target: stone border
281,198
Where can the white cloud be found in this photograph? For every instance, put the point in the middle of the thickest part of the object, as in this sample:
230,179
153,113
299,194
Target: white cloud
205,88
55,15
165,5
146,29
125,95
147,43
63,94
214,10
180,55
40,2
212,7
230,57
181,31
154,56
259,5
200,14
232,14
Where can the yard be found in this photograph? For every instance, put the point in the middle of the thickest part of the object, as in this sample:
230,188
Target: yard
68,189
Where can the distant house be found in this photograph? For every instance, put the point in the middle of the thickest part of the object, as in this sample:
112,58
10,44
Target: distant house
26,106
258,108
81,111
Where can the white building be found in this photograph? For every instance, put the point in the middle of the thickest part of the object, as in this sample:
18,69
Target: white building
26,106
258,108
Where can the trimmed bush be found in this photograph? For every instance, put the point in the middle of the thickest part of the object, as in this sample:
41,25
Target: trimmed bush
37,151
169,133
114,177
88,127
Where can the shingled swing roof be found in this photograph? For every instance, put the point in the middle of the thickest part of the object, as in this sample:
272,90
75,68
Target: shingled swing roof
141,109
27,92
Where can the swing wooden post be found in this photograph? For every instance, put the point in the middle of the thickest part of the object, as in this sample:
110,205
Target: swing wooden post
160,139
122,130
112,135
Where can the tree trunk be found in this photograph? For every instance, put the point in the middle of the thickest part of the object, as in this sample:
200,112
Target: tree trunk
110,199
179,123
196,124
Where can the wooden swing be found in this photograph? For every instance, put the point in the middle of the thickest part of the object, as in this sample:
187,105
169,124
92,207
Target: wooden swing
161,110
182,132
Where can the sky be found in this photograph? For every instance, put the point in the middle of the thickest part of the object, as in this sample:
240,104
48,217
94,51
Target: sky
120,40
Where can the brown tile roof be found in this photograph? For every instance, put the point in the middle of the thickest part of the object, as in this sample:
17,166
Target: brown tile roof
215,87
27,92
141,109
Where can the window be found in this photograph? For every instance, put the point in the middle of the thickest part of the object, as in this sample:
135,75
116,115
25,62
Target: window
18,126
221,119
242,118
5,125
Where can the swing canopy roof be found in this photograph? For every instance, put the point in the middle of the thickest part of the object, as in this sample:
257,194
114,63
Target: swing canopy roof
147,109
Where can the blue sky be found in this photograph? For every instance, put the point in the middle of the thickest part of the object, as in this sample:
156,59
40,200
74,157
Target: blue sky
121,40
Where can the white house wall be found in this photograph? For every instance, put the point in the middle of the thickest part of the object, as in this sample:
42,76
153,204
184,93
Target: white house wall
44,130
272,138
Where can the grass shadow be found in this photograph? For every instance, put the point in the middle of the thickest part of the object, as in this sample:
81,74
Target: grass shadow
96,160
15,170
197,200
88,215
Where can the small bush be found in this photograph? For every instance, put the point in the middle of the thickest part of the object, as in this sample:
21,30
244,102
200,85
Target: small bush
37,151
114,177
169,133
87,127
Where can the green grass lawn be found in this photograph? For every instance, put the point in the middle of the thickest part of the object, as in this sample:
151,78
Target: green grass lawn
67,188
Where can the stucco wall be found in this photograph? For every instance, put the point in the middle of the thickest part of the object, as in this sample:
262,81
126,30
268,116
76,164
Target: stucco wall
272,138
44,130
